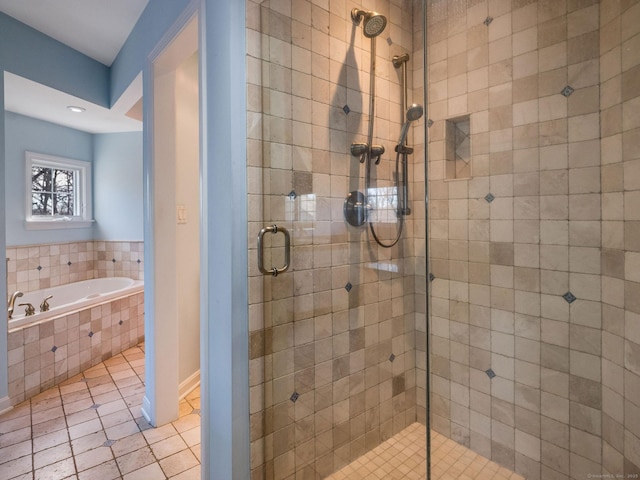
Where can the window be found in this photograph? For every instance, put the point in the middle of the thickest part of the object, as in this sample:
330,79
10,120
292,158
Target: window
58,192
384,204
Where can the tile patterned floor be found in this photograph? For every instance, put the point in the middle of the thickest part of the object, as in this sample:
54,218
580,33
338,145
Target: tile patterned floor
90,428
404,457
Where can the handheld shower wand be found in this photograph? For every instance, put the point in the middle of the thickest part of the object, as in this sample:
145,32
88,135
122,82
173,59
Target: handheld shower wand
414,113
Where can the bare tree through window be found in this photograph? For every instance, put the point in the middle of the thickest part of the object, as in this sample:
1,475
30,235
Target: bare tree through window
52,191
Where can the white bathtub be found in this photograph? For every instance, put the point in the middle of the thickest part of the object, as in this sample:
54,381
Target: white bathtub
71,298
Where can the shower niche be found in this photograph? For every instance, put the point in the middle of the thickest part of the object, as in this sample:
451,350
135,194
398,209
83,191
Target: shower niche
458,148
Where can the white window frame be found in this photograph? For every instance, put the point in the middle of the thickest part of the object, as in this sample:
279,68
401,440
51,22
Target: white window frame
82,193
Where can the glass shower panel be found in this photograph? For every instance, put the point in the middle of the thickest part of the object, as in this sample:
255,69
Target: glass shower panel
338,340
535,335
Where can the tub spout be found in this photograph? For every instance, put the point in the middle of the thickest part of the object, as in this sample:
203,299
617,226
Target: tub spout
11,303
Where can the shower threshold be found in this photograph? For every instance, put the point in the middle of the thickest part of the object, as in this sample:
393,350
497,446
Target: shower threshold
403,456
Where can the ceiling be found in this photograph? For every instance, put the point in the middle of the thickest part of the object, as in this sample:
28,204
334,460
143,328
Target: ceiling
96,28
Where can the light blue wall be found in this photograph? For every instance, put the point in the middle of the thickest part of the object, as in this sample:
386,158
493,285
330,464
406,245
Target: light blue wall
31,54
117,187
225,384
29,134
117,180
157,18
224,326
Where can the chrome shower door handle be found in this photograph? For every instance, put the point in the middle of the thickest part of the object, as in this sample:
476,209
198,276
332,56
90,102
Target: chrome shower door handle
275,271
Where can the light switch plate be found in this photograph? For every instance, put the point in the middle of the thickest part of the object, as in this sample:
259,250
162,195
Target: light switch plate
182,214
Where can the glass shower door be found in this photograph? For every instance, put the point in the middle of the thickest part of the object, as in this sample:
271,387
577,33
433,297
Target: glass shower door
337,340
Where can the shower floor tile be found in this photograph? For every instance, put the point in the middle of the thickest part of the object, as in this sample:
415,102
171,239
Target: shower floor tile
403,456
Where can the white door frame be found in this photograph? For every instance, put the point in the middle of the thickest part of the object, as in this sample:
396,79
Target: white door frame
224,364
160,403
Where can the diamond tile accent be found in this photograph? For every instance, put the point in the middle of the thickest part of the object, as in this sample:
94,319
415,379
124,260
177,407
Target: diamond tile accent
389,41
292,194
195,411
38,268
490,373
346,109
569,297
113,260
95,406
54,349
294,396
138,261
429,123
432,277
69,263
566,91
90,334
120,322
392,357
108,443
487,21
348,287
489,197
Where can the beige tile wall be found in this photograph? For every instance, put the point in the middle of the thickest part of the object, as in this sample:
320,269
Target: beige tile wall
560,404
309,334
36,267
33,366
620,177
47,354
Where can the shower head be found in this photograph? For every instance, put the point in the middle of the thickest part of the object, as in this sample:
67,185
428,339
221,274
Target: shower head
374,22
414,112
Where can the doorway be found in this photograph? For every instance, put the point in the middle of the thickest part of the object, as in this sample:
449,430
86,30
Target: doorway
172,183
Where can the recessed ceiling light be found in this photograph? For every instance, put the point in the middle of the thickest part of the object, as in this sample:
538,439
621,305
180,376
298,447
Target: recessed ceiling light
75,109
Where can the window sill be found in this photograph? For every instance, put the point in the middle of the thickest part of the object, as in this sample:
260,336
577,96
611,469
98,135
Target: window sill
57,224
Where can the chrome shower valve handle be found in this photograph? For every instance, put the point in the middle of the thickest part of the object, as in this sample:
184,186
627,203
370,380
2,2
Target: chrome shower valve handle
29,310
376,152
44,306
360,150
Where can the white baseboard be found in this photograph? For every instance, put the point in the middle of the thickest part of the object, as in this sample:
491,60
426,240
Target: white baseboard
184,389
189,385
5,405
146,408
